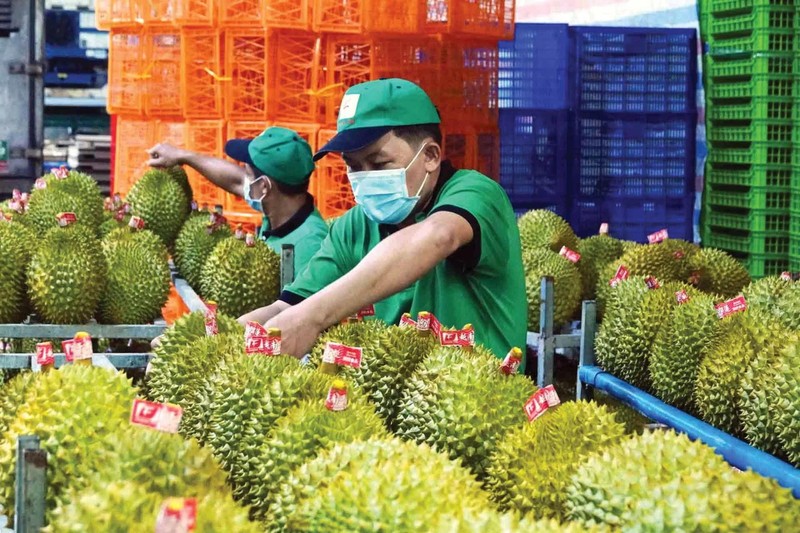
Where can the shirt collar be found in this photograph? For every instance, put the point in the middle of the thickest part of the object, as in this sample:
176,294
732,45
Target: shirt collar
293,223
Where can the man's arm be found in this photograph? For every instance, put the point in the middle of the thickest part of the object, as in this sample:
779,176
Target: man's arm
222,173
394,264
264,314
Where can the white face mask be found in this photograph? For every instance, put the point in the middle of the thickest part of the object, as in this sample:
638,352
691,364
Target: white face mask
254,203
383,194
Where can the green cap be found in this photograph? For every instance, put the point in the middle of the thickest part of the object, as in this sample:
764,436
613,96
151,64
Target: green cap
370,110
279,153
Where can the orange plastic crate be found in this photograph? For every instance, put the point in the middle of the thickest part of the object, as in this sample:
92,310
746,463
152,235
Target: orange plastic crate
371,16
250,220
197,12
456,148
332,192
246,67
202,79
245,129
240,13
295,14
295,76
487,153
485,18
134,136
158,11
116,13
205,137
174,308
163,72
126,72
468,86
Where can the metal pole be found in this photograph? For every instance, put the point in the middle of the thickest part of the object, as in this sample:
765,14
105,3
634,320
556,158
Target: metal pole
287,264
546,346
31,488
588,332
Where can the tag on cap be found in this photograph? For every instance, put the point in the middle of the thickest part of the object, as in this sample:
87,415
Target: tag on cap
337,396
261,341
407,321
160,416
367,311
44,354
436,327
603,228
211,319
423,321
652,283
16,194
786,276
136,222
658,236
340,354
82,347
40,183
249,240
60,172
681,297
540,402
460,337
511,361
621,274
572,255
729,307
65,219
68,346
177,515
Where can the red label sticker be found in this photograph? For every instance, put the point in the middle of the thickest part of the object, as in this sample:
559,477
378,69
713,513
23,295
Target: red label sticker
16,194
177,515
69,349
161,416
603,228
257,340
621,274
786,276
40,183
678,254
339,354
136,223
729,307
460,337
211,319
82,348
682,297
407,321
572,255
436,327
658,236
540,402
652,283
44,354
511,362
60,172
239,232
367,311
65,219
424,322
249,240
336,400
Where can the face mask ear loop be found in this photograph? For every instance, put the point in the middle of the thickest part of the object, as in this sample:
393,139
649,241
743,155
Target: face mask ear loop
423,184
269,190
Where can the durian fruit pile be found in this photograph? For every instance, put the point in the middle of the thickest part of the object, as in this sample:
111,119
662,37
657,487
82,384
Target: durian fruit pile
738,373
543,234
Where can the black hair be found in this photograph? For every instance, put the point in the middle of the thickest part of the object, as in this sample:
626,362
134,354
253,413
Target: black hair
414,135
292,190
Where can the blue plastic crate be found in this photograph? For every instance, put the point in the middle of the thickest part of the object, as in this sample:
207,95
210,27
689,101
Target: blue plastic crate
647,157
636,70
632,219
534,149
536,68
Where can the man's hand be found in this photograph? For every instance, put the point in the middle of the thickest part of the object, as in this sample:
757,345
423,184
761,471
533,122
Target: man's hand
299,331
263,314
165,155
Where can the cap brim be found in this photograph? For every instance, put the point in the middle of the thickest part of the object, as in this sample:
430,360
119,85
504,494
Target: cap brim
352,140
238,149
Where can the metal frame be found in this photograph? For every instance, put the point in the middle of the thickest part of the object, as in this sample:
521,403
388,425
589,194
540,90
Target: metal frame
31,485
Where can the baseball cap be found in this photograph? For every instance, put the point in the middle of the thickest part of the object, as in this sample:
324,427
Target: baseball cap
279,153
370,110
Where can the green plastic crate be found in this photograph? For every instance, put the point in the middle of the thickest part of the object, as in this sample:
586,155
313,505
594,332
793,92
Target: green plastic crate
761,265
745,21
745,66
748,242
750,175
724,6
761,40
748,198
759,220
756,86
794,202
754,131
754,109
753,153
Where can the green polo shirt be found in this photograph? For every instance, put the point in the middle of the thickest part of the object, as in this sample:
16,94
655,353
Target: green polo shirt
305,231
482,283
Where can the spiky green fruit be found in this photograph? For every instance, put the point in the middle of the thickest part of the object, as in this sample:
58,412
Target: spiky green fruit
390,356
12,397
14,257
77,193
67,275
179,175
461,404
566,285
763,295
137,284
718,388
376,485
662,481
788,402
124,506
678,350
682,251
533,465
71,410
161,201
760,395
143,238
596,252
241,278
715,271
787,308
195,242
634,422
542,229
307,430
490,521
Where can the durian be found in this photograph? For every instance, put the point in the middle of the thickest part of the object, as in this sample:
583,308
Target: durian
194,244
716,272
14,258
542,229
77,193
787,422
596,252
160,199
566,285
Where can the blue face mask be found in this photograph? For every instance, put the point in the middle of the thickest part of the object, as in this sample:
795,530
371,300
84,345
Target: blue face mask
253,203
383,194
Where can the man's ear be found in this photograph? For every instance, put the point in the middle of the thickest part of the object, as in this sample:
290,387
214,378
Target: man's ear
433,156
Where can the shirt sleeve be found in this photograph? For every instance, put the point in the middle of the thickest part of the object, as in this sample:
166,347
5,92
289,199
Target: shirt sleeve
482,203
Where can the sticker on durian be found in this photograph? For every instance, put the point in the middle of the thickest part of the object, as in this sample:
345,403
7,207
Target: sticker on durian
16,194
511,361
423,321
40,183
44,354
82,347
459,337
786,276
210,317
571,255
249,240
652,283
136,222
60,172
732,306
367,311
678,255
541,401
239,233
436,327
407,322
68,346
681,297
337,396
159,416
340,354
261,341
659,236
177,515
621,275
603,228
65,219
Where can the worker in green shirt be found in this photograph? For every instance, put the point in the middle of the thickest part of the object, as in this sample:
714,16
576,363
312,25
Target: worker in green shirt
423,236
274,181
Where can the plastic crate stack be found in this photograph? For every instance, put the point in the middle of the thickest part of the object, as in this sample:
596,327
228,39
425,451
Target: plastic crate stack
750,71
635,131
196,72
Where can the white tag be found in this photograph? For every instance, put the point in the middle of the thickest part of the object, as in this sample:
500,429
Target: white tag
348,108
